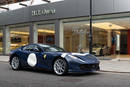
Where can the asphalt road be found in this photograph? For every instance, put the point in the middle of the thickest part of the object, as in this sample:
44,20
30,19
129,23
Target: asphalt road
31,78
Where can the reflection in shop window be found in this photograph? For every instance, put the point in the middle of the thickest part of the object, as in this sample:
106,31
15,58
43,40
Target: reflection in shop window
110,36
1,41
76,37
107,37
46,34
19,37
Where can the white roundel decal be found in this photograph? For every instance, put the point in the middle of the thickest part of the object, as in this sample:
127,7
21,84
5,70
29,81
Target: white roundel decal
32,60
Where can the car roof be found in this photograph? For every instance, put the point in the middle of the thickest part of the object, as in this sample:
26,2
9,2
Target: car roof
41,44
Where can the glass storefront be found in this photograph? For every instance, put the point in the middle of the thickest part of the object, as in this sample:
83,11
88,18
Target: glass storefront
111,36
46,34
76,37
19,37
100,39
1,41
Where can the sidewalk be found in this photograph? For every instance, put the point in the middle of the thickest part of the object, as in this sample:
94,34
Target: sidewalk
4,58
115,65
120,65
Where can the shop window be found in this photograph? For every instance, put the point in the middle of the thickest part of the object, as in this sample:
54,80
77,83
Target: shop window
111,36
46,34
19,37
1,40
76,37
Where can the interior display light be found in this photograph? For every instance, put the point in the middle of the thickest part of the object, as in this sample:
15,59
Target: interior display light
1,34
27,33
17,32
18,44
106,25
46,31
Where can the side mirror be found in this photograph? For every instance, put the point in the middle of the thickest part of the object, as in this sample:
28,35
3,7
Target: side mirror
38,50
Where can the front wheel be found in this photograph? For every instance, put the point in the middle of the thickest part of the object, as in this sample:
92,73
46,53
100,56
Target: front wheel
60,67
15,63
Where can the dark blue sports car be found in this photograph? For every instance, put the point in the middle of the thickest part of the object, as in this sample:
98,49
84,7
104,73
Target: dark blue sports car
52,58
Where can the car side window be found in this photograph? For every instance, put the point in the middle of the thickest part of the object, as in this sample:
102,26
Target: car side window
35,48
32,48
28,48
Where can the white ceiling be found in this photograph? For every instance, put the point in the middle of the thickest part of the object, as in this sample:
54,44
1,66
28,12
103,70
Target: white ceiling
122,22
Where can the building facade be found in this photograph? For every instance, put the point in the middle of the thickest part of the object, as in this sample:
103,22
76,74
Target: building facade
66,24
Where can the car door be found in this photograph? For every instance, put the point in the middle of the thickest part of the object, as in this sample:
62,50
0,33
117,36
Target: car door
41,57
25,51
31,51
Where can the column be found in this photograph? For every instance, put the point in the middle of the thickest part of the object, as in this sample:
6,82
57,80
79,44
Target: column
109,38
33,36
6,40
59,33
82,40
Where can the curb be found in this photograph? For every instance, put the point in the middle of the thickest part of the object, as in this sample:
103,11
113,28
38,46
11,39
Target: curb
4,61
112,59
114,71
104,58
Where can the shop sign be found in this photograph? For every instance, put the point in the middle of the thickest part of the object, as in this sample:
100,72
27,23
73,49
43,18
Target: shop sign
43,12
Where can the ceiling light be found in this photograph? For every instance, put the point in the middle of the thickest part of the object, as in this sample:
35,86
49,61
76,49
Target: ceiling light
106,25
17,32
46,31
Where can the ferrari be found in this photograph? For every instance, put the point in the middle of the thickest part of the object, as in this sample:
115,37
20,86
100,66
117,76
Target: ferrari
52,58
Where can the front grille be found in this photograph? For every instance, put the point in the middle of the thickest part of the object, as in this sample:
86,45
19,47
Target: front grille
89,67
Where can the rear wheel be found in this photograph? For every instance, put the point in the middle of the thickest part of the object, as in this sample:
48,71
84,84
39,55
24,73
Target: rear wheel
15,63
60,67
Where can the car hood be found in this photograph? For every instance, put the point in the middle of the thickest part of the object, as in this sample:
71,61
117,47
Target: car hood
83,56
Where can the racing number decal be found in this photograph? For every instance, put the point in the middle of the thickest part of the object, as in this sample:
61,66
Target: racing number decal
32,60
44,56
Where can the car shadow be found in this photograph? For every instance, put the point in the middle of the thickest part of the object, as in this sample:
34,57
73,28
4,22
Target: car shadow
42,71
83,74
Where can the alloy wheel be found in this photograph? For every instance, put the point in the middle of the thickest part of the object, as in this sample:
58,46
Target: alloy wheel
60,67
15,63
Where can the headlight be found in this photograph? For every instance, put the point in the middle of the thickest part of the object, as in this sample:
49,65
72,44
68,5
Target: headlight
75,58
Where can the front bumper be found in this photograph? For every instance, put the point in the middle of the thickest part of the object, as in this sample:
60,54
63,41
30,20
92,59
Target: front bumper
89,67
82,64
83,68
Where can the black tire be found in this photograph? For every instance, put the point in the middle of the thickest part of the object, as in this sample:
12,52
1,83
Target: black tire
63,67
15,63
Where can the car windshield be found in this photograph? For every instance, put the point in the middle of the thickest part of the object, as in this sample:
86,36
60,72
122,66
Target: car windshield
51,48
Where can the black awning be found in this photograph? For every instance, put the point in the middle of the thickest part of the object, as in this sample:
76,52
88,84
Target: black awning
5,2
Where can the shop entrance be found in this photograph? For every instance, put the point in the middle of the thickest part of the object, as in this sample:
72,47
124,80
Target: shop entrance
123,42
119,42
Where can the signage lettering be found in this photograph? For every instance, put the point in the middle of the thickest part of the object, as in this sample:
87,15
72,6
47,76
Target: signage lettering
43,12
